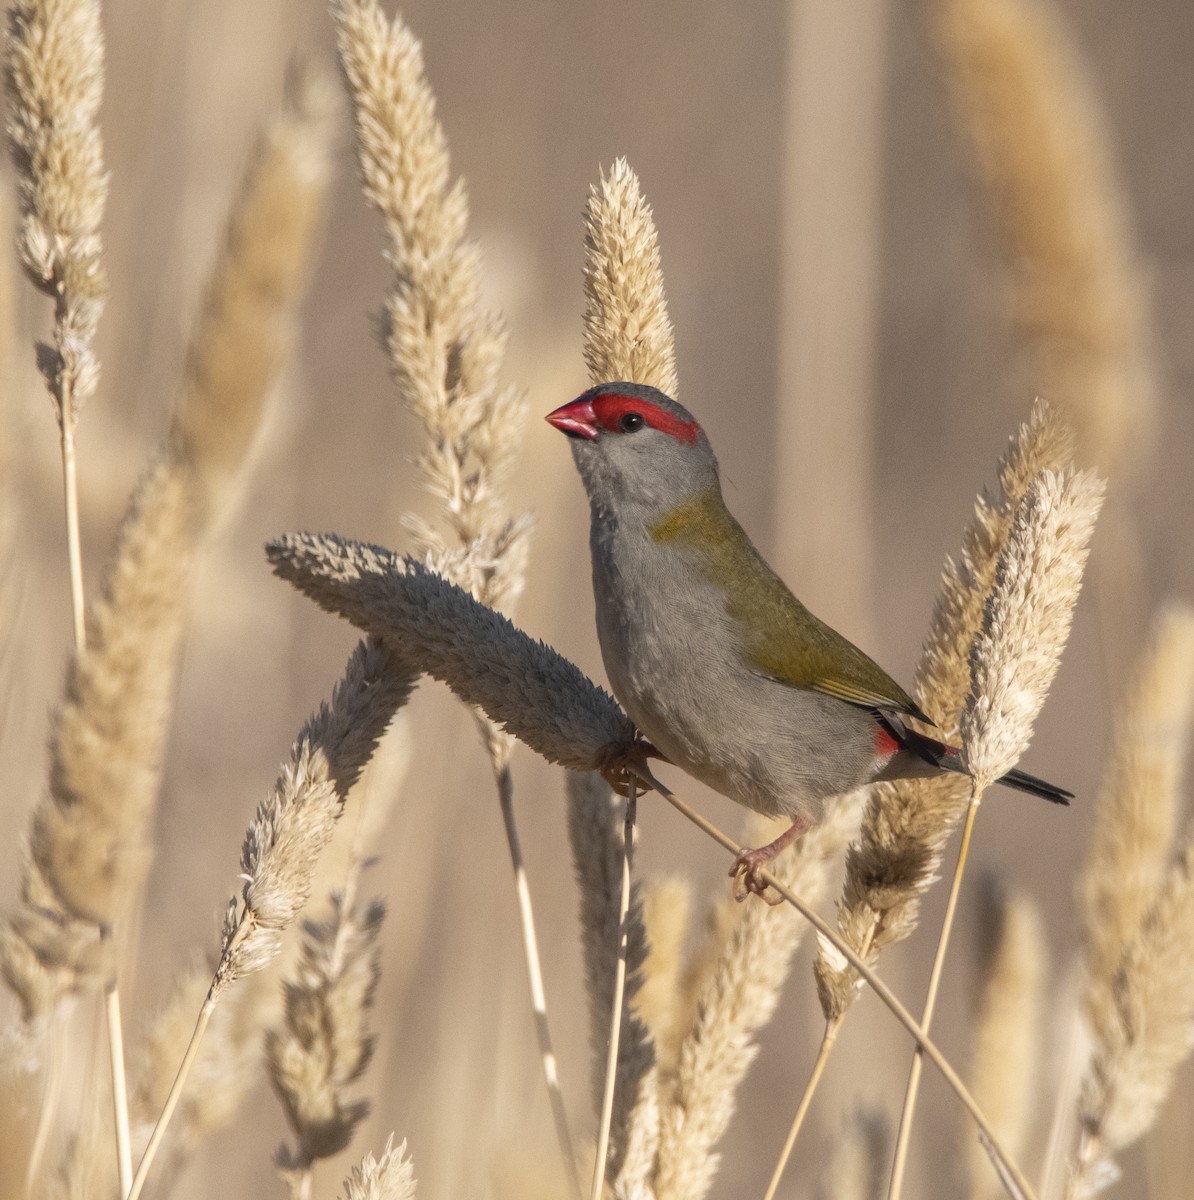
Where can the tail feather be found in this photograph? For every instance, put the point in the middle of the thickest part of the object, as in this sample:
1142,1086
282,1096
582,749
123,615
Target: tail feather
948,758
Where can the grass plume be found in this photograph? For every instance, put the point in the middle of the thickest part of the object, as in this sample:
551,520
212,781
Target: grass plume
905,826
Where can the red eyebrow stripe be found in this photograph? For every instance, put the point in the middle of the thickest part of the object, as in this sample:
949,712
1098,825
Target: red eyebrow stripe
611,407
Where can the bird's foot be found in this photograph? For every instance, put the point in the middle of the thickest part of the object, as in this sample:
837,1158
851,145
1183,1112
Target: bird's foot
621,762
748,864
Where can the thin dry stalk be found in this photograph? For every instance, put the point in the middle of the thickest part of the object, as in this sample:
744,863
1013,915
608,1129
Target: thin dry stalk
737,1000
1140,1045
1138,805
1006,1040
54,71
613,944
225,1069
628,334
292,827
391,1177
617,1006
905,826
1023,95
828,1038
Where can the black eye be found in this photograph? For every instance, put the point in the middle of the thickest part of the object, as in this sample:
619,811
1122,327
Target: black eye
630,422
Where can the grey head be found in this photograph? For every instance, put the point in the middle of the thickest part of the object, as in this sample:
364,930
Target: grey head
636,448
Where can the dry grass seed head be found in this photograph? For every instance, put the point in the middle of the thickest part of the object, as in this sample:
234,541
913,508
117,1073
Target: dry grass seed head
738,998
445,353
905,825
628,334
294,823
1140,1046
54,70
1024,96
521,684
1028,619
391,1177
249,318
1138,804
667,903
323,1044
90,837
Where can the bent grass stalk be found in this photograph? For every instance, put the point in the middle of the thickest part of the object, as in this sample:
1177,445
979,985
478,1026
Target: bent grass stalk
884,993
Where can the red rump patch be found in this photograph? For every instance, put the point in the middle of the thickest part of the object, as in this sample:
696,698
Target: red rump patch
885,744
611,407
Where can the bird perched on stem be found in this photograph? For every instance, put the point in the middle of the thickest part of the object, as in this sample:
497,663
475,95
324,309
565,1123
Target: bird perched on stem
725,672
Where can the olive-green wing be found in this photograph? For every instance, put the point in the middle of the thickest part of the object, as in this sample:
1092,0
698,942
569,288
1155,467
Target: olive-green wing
781,638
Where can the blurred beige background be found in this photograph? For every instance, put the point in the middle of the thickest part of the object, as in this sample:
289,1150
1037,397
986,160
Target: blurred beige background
536,98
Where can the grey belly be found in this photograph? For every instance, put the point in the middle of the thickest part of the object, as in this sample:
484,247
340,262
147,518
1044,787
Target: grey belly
779,750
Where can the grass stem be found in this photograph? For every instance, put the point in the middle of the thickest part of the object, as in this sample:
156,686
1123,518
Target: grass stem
615,1024
827,1041
530,944
912,1092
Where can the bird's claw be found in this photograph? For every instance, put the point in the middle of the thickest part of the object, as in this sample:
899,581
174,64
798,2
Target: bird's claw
622,762
745,874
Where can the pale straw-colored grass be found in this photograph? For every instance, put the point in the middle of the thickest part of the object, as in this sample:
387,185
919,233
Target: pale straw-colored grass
1027,620
1006,1042
226,1069
445,352
738,997
905,826
54,76
391,1177
628,333
662,1000
595,832
1012,664
89,840
1078,294
1138,805
292,827
324,1044
1140,1045
1138,909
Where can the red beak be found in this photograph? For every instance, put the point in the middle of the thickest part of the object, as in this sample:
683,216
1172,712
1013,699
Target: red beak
577,420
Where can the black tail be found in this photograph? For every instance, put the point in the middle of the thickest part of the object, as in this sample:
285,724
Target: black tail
947,758
1023,782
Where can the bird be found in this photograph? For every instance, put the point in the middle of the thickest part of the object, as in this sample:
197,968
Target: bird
724,672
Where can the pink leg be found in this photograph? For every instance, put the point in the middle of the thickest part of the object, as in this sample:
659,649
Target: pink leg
750,862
